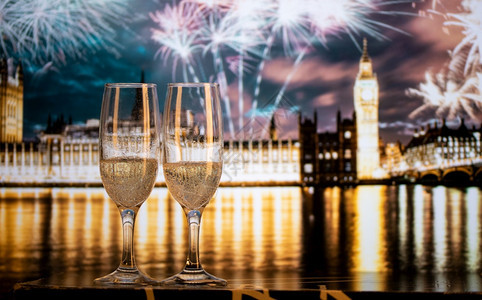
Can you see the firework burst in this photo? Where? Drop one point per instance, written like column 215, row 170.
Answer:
column 471, row 24
column 235, row 32
column 40, row 31
column 456, row 89
column 448, row 97
column 288, row 21
column 452, row 91
column 178, row 33
column 9, row 34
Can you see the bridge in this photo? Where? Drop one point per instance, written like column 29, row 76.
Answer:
column 456, row 172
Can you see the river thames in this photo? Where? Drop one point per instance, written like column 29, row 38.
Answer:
column 406, row 236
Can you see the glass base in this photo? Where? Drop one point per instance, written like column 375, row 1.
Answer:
column 123, row 276
column 194, row 277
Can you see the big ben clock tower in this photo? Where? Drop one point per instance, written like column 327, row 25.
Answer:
column 366, row 108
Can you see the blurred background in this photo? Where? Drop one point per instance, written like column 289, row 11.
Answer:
column 352, row 137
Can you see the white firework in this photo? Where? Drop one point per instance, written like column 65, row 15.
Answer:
column 240, row 33
column 471, row 24
column 448, row 96
column 40, row 31
column 178, row 31
column 456, row 90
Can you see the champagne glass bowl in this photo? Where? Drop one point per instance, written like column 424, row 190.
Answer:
column 192, row 159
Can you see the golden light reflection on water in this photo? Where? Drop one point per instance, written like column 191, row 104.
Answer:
column 473, row 234
column 370, row 223
column 455, row 228
column 268, row 230
column 255, row 228
column 416, row 213
column 439, row 226
column 332, row 228
column 402, row 225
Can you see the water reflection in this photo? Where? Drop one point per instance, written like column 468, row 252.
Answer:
column 286, row 232
column 409, row 235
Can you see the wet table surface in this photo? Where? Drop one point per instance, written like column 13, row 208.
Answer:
column 364, row 286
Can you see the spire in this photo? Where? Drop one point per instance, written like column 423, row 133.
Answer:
column 462, row 125
column 365, row 57
column 4, row 67
column 365, row 63
column 19, row 72
column 273, row 134
column 142, row 76
column 138, row 110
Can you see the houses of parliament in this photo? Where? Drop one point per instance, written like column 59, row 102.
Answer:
column 67, row 153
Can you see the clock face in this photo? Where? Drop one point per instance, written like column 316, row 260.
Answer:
column 367, row 95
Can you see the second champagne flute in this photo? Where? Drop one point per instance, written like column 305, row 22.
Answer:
column 192, row 163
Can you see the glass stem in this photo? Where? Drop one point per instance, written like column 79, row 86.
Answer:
column 128, row 262
column 194, row 221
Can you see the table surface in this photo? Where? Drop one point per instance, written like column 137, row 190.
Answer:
column 359, row 287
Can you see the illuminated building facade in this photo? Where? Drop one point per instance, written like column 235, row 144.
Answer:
column 11, row 104
column 69, row 153
column 261, row 161
column 438, row 147
column 64, row 153
column 330, row 157
column 392, row 157
column 366, row 108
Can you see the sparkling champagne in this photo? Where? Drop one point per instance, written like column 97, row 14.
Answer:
column 128, row 181
column 192, row 183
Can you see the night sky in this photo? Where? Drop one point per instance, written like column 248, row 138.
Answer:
column 324, row 80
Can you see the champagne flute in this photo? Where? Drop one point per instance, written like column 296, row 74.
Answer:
column 192, row 159
column 129, row 159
